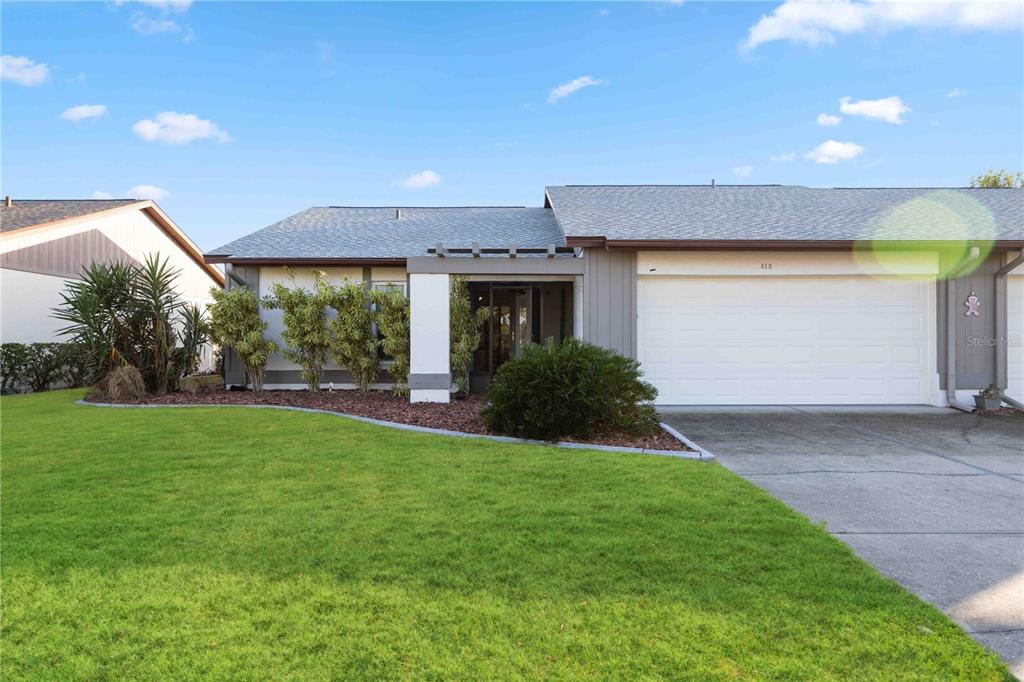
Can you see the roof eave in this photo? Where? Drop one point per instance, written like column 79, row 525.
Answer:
column 771, row 244
column 270, row 261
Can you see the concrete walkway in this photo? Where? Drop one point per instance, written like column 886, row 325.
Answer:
column 932, row 497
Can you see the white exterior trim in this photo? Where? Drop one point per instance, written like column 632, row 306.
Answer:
column 785, row 263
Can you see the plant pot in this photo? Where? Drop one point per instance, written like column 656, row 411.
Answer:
column 986, row 404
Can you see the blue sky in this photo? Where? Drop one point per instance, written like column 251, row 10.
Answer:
column 236, row 115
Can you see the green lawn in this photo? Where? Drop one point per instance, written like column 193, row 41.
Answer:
column 238, row 543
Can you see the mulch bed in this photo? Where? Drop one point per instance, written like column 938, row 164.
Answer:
column 458, row 415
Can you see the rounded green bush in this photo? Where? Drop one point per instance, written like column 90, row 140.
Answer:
column 572, row 389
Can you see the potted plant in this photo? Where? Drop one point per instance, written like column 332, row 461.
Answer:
column 989, row 399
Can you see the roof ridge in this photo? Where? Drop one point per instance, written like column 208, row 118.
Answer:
column 424, row 207
column 682, row 185
column 17, row 201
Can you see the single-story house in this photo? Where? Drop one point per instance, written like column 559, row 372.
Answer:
column 45, row 243
column 724, row 294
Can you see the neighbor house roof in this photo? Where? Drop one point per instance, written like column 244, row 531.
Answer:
column 750, row 213
column 31, row 212
column 346, row 233
column 50, row 214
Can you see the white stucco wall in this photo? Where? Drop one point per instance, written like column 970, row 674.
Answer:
column 27, row 300
column 428, row 334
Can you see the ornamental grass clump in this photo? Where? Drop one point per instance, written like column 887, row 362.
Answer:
column 569, row 390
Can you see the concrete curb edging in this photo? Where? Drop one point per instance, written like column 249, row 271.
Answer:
column 706, row 454
column 699, row 454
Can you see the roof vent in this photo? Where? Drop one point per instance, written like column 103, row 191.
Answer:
column 398, row 214
column 8, row 202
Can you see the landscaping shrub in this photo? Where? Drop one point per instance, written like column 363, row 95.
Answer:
column 235, row 322
column 38, row 366
column 354, row 345
column 392, row 317
column 306, row 333
column 465, row 330
column 122, row 313
column 572, row 389
column 43, row 366
column 13, row 357
column 74, row 365
column 121, row 385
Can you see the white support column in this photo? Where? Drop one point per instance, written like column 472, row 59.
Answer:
column 429, row 373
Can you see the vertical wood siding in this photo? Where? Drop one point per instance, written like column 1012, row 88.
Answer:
column 609, row 299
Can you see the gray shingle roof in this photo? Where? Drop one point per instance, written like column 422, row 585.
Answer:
column 372, row 233
column 29, row 212
column 746, row 212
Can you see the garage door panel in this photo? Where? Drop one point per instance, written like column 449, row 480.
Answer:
column 736, row 340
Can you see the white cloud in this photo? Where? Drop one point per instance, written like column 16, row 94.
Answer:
column 174, row 128
column 828, row 120
column 168, row 5
column 151, row 192
column 603, row 12
column 101, row 195
column 179, row 6
column 742, row 171
column 22, row 70
column 831, row 151
column 955, row 92
column 148, row 26
column 83, row 111
column 566, row 89
column 889, row 109
column 816, row 23
column 324, row 51
column 421, row 180
column 788, row 156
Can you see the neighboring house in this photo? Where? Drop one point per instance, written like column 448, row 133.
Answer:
column 724, row 294
column 45, row 243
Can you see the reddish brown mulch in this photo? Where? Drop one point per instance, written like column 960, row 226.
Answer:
column 458, row 415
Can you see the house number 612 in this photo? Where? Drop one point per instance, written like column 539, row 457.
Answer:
column 766, row 266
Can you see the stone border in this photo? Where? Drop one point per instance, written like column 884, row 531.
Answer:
column 698, row 454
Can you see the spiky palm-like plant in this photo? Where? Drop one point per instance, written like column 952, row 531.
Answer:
column 125, row 314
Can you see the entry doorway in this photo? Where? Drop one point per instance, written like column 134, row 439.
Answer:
column 520, row 313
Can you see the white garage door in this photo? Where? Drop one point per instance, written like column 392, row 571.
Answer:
column 1015, row 336
column 786, row 340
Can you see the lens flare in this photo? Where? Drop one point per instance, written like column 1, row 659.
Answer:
column 965, row 228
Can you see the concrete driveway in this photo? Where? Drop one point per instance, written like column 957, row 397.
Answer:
column 932, row 497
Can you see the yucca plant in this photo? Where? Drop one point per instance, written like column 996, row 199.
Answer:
column 123, row 314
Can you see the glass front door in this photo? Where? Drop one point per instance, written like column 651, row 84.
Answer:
column 520, row 314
